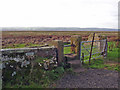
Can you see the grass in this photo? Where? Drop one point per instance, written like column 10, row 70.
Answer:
column 39, row 79
column 67, row 50
column 99, row 64
column 111, row 56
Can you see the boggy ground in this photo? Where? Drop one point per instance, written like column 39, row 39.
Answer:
column 89, row 78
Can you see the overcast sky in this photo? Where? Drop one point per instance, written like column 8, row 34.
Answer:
column 59, row 13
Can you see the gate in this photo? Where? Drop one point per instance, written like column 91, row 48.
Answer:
column 89, row 51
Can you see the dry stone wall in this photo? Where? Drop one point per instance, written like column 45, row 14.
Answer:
column 14, row 61
column 27, row 53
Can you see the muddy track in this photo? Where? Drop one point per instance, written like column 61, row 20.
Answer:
column 91, row 78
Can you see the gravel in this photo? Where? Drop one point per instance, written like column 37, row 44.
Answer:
column 91, row 78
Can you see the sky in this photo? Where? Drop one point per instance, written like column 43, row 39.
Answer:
column 59, row 13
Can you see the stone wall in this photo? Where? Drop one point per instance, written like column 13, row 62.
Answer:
column 25, row 61
column 22, row 57
column 27, row 53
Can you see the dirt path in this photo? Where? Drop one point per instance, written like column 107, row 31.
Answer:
column 91, row 78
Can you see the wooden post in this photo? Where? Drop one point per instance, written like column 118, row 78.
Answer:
column 76, row 40
column 60, row 50
column 91, row 48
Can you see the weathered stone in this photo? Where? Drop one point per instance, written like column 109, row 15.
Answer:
column 59, row 45
column 97, row 37
column 102, row 43
column 75, row 42
column 18, row 54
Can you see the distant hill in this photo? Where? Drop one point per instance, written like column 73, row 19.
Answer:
column 54, row 29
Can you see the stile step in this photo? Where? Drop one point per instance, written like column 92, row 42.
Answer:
column 75, row 63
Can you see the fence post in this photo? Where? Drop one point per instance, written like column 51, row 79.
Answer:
column 76, row 40
column 60, row 50
column 91, row 47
